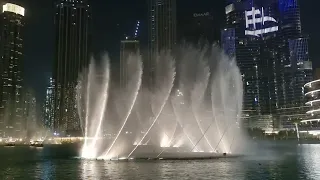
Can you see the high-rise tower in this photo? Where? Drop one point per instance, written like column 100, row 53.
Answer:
column 131, row 45
column 72, row 36
column 265, row 38
column 162, row 30
column 30, row 113
column 11, row 57
column 197, row 27
column 298, row 67
column 48, row 109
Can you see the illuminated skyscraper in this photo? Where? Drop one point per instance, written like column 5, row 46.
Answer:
column 198, row 27
column 11, row 57
column 127, row 47
column 49, row 106
column 251, row 37
column 30, row 113
column 162, row 30
column 290, row 18
column 298, row 67
column 130, row 45
column 72, row 36
column 265, row 38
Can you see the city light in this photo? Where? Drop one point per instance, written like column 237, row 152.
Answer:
column 309, row 84
column 254, row 20
column 9, row 7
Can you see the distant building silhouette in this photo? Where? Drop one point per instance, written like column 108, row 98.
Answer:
column 198, row 27
column 72, row 36
column 48, row 107
column 11, row 80
column 265, row 38
column 30, row 113
column 162, row 27
column 127, row 47
column 317, row 73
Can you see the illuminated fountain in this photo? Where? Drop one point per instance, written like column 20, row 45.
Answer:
column 192, row 109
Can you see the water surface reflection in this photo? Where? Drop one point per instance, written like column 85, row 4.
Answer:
column 271, row 161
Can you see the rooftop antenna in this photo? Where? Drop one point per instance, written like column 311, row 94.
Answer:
column 136, row 31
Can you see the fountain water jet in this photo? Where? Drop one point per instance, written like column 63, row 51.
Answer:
column 167, row 62
column 89, row 150
column 136, row 90
column 192, row 108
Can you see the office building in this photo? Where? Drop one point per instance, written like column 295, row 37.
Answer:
column 298, row 72
column 228, row 41
column 316, row 73
column 129, row 46
column 198, row 27
column 162, row 31
column 298, row 67
column 11, row 80
column 30, row 113
column 310, row 123
column 255, row 48
column 72, row 36
column 48, row 107
column 272, row 54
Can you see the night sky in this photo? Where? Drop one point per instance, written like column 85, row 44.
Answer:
column 111, row 19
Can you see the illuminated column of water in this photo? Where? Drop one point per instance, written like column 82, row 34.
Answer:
column 165, row 142
column 222, row 89
column 102, row 104
column 213, row 94
column 216, row 132
column 238, row 88
column 136, row 90
column 171, row 77
column 155, row 120
column 176, row 126
column 297, row 129
column 214, row 150
column 170, row 141
column 79, row 103
column 100, row 108
column 221, row 140
column 183, row 130
column 87, row 104
column 198, row 95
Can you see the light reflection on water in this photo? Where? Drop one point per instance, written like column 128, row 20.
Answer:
column 310, row 157
column 271, row 161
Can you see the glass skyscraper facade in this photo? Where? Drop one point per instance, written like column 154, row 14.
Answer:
column 11, row 80
column 48, row 109
column 198, row 27
column 162, row 31
column 72, row 36
column 228, row 41
column 127, row 47
column 265, row 38
column 312, row 120
column 30, row 113
column 297, row 65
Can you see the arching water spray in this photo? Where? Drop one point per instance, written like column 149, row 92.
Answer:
column 208, row 118
column 136, row 90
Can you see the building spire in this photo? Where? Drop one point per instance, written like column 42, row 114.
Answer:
column 136, row 31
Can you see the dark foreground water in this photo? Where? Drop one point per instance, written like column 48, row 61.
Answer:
column 271, row 161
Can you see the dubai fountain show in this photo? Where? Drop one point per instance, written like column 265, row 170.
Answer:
column 188, row 106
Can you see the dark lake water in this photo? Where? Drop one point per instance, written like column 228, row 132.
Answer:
column 287, row 161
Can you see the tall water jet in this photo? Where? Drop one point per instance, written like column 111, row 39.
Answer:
column 192, row 107
column 134, row 67
column 165, row 74
column 94, row 116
